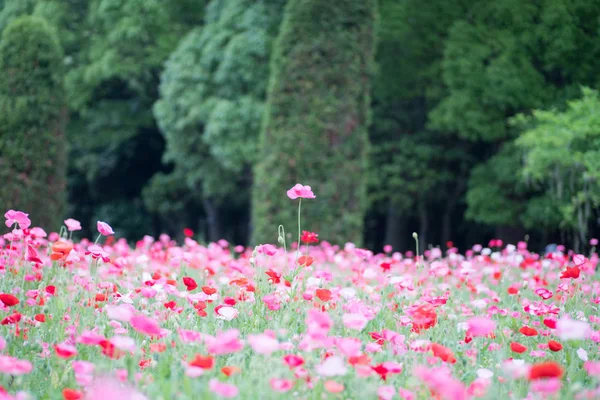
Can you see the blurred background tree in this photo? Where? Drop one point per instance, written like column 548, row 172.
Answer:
column 32, row 118
column 316, row 120
column 477, row 123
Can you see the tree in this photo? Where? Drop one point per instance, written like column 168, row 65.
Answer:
column 212, row 95
column 502, row 59
column 112, row 84
column 315, row 128
column 415, row 170
column 562, row 153
column 32, row 116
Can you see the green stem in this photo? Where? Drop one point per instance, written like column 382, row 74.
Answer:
column 299, row 232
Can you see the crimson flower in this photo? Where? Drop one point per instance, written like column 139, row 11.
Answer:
column 189, row 283
column 518, row 348
column 8, row 299
column 554, row 346
column 309, row 237
column 570, row 273
column 548, row 369
column 527, row 331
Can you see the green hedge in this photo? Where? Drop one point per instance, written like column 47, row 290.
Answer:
column 32, row 142
column 315, row 126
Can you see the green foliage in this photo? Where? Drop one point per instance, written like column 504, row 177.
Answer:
column 509, row 57
column 11, row 9
column 212, row 93
column 315, row 127
column 562, row 149
column 32, row 143
column 112, row 84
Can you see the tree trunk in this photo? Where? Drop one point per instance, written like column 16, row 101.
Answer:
column 423, row 226
column 395, row 232
column 212, row 220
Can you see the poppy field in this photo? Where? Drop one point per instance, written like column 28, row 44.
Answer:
column 85, row 319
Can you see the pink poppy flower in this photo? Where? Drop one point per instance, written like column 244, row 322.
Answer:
column 299, row 191
column 332, row 366
column 104, row 228
column 14, row 366
column 481, row 326
column 72, row 225
column 17, row 217
column 281, row 385
column 355, row 321
column 223, row 389
column 263, row 344
column 333, row 387
column 145, row 325
column 567, row 328
column 224, row 343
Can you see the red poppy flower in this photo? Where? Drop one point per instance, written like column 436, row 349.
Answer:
column 513, row 290
column 424, row 317
column 527, row 331
column 570, row 273
column 323, row 294
column 189, row 283
column 363, row 359
column 554, row 346
column 188, row 232
column 443, row 353
column 72, row 394
column 550, row 323
column 158, row 347
column 60, row 250
column 65, row 350
column 11, row 319
column 381, row 370
column 275, row 277
column 239, row 282
column 40, row 318
column 229, row 370
column 100, row 297
column 518, row 347
column 548, row 369
column 204, row 362
column 209, row 290
column 8, row 299
column 305, row 261
column 109, row 350
column 293, row 360
column 170, row 305
column 309, row 237
column 385, row 266
column 51, row 290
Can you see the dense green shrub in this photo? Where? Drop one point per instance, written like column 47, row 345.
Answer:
column 315, row 127
column 32, row 143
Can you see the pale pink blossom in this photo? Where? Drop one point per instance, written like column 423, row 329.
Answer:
column 145, row 325
column 121, row 312
column 299, row 191
column 355, row 321
column 17, row 217
column 263, row 344
column 481, row 326
column 570, row 329
column 104, row 228
column 72, row 225
column 546, row 387
column 332, row 366
column 281, row 385
column 224, row 343
column 222, row 389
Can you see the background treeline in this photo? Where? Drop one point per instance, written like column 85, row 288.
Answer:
column 462, row 120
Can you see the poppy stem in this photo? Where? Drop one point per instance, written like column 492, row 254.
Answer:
column 299, row 232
